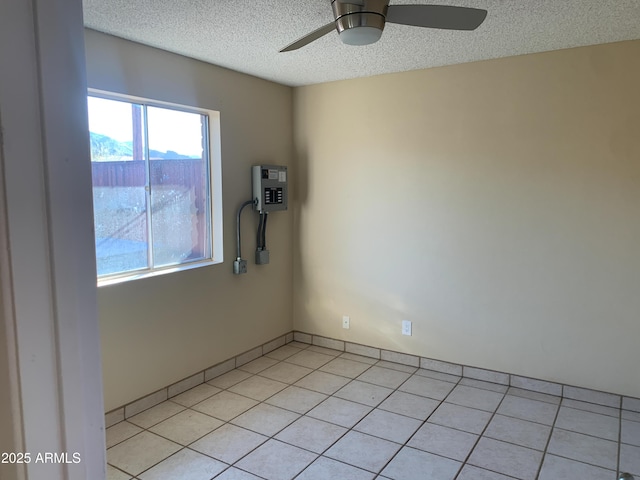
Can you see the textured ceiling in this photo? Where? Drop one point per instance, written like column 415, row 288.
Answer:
column 246, row 35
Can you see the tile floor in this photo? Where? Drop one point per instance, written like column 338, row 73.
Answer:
column 311, row 413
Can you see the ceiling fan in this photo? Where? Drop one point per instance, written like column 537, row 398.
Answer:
column 360, row 22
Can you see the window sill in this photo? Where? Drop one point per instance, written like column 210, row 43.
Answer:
column 127, row 277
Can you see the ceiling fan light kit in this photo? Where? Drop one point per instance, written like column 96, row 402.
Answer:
column 361, row 35
column 361, row 22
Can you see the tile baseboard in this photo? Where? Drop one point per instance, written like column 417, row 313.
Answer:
column 502, row 378
column 478, row 374
column 133, row 408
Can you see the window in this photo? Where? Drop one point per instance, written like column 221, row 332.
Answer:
column 153, row 171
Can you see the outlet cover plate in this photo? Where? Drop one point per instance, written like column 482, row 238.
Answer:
column 406, row 327
column 345, row 321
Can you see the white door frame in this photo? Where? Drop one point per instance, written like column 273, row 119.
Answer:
column 49, row 336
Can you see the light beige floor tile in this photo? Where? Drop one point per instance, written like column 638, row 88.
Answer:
column 363, row 451
column 325, row 468
column 115, row 474
column 261, row 461
column 341, row 412
column 311, row 434
column 412, row 464
column 228, row 443
column 363, row 392
column 265, row 419
column 258, row 365
column 602, row 426
column 186, row 427
column 120, row 432
column 195, row 395
column 506, row 458
column 283, row 352
column 225, row 405
column 156, row 414
column 630, row 432
column 469, row 472
column 235, row 474
column 309, row 359
column 296, row 399
column 554, row 468
column 443, row 441
column 388, row 425
column 521, row 432
column 345, row 368
column 229, row 379
column 528, row 409
column 584, row 448
column 140, row 452
column 384, row 377
column 185, row 465
column 630, row 459
column 427, row 387
column 475, row 398
column 510, row 446
column 286, row 372
column 258, row 388
column 462, row 418
column 410, row 405
column 323, row 382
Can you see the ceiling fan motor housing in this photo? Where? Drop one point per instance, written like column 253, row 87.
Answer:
column 360, row 22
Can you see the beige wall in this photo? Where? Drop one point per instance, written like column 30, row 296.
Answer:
column 494, row 204
column 159, row 330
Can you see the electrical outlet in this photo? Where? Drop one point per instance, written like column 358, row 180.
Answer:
column 345, row 321
column 406, row 327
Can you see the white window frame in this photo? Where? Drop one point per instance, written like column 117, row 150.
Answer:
column 215, row 189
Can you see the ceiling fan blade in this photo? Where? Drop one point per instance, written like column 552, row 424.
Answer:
column 437, row 16
column 315, row 35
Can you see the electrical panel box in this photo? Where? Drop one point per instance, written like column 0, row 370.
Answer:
column 270, row 192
